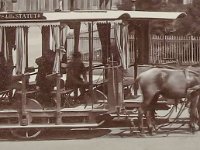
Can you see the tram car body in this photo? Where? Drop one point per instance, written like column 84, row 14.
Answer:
column 23, row 114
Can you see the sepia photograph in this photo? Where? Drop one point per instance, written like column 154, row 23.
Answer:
column 99, row 74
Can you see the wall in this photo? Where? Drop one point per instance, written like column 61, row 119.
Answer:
column 52, row 5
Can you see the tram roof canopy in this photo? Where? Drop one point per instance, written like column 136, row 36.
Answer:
column 112, row 15
column 55, row 18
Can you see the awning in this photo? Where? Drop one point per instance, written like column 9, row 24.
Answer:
column 110, row 15
column 156, row 15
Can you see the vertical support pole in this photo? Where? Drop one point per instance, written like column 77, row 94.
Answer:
column 76, row 36
column 58, row 92
column 144, row 43
column 111, row 4
column 60, row 5
column 23, row 114
column 58, row 101
column 90, row 31
column 115, row 87
column 135, row 66
column 136, row 55
column 71, row 5
column 45, row 38
column 26, row 44
column 2, row 5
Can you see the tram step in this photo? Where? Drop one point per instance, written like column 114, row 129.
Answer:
column 45, row 126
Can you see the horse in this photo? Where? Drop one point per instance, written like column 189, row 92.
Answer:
column 170, row 84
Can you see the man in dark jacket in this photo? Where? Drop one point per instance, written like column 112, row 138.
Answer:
column 76, row 74
column 7, row 80
column 45, row 67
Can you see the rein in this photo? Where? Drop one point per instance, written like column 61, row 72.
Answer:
column 183, row 106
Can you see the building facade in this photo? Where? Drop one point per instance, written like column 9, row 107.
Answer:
column 53, row 5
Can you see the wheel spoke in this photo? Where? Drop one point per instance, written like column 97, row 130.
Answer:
column 27, row 134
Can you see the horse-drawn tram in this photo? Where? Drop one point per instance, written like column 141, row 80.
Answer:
column 22, row 109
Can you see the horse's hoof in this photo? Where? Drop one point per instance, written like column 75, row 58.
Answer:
column 198, row 127
column 192, row 130
column 151, row 131
column 141, row 130
column 141, row 134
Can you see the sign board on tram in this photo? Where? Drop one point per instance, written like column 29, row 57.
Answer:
column 21, row 16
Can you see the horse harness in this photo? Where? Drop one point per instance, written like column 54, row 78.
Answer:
column 190, row 90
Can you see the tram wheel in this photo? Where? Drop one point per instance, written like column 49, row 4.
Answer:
column 98, row 98
column 99, row 95
column 25, row 133
column 29, row 133
column 69, row 101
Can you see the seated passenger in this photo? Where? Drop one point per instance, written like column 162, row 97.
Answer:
column 45, row 66
column 7, row 80
column 76, row 74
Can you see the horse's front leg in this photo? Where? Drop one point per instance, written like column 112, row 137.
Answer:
column 150, row 114
column 146, row 109
column 153, row 112
column 143, row 110
column 149, row 122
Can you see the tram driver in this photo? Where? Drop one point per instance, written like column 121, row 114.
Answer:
column 77, row 75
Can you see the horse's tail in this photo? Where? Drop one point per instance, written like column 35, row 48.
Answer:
column 136, row 82
column 137, row 79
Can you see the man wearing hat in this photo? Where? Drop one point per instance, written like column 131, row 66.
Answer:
column 76, row 74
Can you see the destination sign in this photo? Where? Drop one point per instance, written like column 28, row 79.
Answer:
column 21, row 16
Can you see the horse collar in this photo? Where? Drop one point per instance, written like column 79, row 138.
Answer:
column 186, row 73
column 188, row 82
